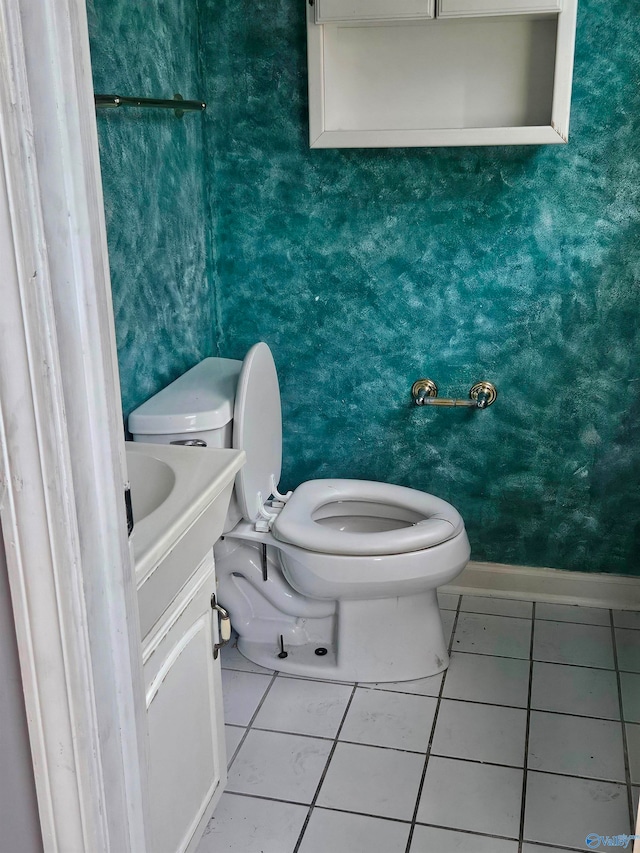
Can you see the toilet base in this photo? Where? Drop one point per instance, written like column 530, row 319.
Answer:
column 379, row 640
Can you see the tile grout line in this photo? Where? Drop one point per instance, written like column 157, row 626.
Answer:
column 288, row 675
column 458, row 652
column 389, row 819
column 459, row 758
column 266, row 797
column 560, row 848
column 623, row 726
column 461, row 702
column 526, row 734
column 349, row 742
column 325, row 771
column 433, row 729
column 251, row 720
column 541, row 618
column 479, row 833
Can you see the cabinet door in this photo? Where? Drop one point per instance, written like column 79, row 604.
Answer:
column 479, row 8
column 187, row 761
column 337, row 11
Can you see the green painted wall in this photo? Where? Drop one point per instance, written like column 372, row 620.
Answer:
column 367, row 269
column 154, row 189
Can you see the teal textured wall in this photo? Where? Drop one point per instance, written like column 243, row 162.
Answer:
column 155, row 202
column 367, row 269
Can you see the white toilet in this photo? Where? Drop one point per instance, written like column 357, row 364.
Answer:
column 335, row 580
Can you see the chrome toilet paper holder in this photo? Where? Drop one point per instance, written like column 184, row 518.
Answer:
column 481, row 395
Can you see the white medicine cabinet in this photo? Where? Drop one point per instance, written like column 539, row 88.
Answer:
column 396, row 73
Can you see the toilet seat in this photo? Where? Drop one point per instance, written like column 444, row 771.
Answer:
column 422, row 520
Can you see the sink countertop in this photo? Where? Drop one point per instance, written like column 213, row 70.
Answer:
column 201, row 474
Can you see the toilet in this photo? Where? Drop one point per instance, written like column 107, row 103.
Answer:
column 336, row 580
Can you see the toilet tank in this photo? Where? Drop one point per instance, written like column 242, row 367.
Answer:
column 198, row 405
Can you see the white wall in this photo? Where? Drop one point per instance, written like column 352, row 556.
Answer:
column 19, row 822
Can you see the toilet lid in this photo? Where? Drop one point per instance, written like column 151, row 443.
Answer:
column 257, row 429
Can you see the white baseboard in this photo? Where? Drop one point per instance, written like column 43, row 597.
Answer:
column 619, row 592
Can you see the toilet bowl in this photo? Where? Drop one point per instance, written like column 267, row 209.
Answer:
column 335, row 580
column 350, row 539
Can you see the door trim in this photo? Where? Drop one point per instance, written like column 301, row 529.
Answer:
column 62, row 467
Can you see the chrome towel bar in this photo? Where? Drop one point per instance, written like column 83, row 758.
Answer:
column 177, row 103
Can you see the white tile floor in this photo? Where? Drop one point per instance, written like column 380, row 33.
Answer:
column 527, row 744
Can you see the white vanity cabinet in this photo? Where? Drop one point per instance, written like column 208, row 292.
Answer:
column 187, row 758
column 180, row 498
column 396, row 73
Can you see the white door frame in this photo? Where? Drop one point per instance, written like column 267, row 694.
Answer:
column 62, row 467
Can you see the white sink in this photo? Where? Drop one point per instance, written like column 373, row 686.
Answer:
column 180, row 497
column 151, row 483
